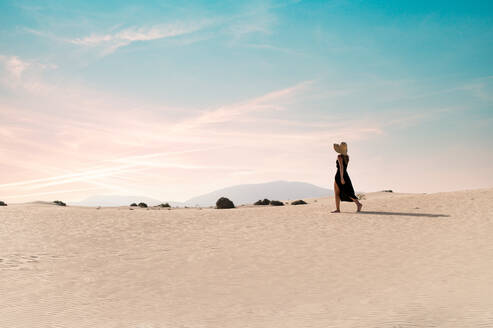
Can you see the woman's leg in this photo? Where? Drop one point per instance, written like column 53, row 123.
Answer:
column 358, row 204
column 337, row 197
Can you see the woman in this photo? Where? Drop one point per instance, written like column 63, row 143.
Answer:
column 343, row 187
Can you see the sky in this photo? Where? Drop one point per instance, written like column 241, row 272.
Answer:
column 172, row 99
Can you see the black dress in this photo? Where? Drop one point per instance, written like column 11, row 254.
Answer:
column 346, row 189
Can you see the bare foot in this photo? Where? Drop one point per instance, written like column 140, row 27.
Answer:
column 336, row 211
column 359, row 207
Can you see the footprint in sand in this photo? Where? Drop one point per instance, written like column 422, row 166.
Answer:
column 19, row 261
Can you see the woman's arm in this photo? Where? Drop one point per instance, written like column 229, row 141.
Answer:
column 341, row 168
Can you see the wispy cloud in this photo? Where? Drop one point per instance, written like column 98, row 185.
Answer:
column 15, row 69
column 275, row 100
column 250, row 20
column 58, row 192
column 96, row 175
column 480, row 88
column 45, row 34
column 110, row 42
column 14, row 66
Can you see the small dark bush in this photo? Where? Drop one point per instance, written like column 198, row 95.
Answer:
column 276, row 203
column 143, row 205
column 387, row 190
column 224, row 202
column 133, row 204
column 59, row 203
column 164, row 205
column 262, row 202
column 2, row 203
column 299, row 202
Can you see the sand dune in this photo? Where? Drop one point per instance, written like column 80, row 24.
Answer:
column 409, row 261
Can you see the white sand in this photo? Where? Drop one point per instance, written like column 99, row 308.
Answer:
column 292, row 266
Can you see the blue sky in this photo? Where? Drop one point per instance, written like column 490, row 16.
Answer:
column 121, row 97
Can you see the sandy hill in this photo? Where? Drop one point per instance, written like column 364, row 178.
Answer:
column 409, row 260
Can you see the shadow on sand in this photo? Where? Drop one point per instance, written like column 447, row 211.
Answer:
column 428, row 215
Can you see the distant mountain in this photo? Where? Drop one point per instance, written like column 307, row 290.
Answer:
column 239, row 194
column 249, row 193
column 119, row 200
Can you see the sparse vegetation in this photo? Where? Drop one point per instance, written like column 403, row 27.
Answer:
column 143, row 205
column 387, row 190
column 133, row 204
column 276, row 203
column 262, row 202
column 59, row 203
column 299, row 202
column 164, row 205
column 3, row 203
column 224, row 202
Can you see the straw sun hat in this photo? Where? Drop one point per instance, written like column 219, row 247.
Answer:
column 341, row 148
